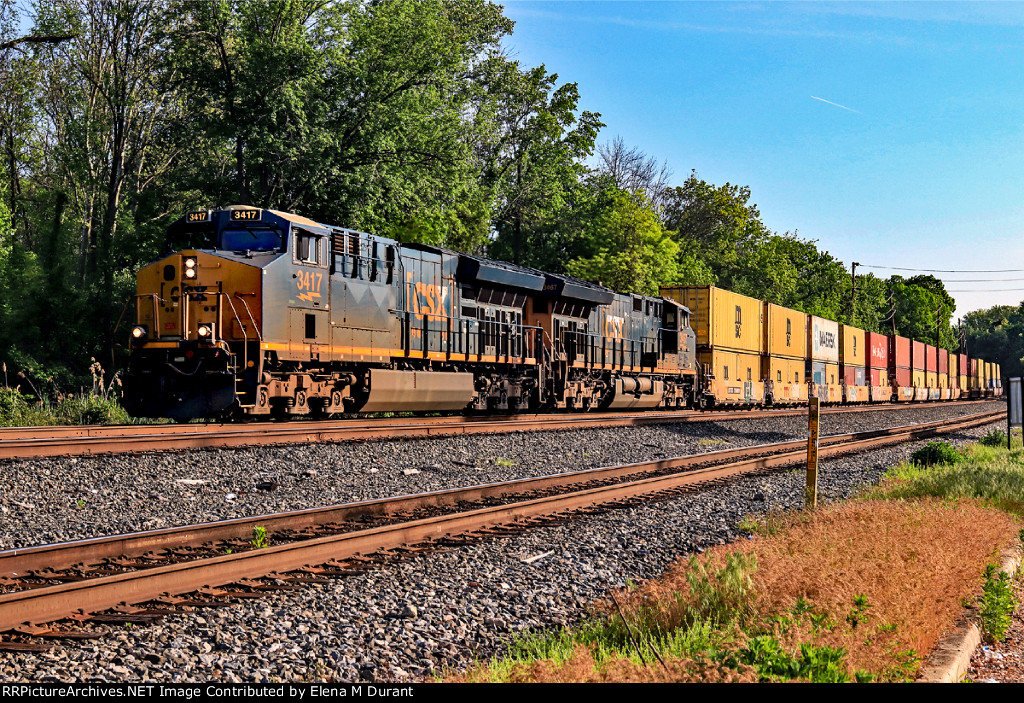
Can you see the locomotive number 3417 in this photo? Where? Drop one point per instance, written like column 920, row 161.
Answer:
column 309, row 283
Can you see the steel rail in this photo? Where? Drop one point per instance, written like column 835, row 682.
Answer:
column 39, row 442
column 49, row 603
column 88, row 551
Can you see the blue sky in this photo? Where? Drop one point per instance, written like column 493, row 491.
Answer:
column 916, row 159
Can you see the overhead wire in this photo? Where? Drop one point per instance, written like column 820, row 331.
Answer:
column 898, row 268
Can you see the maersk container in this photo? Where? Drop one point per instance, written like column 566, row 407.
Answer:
column 824, row 339
column 722, row 319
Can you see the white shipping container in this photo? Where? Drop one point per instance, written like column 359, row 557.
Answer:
column 824, row 342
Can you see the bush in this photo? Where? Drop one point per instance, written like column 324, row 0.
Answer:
column 997, row 604
column 13, row 407
column 937, row 453
column 995, row 438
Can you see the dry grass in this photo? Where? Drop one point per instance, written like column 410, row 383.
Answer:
column 911, row 566
column 916, row 562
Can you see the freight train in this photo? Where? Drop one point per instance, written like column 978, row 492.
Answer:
column 266, row 313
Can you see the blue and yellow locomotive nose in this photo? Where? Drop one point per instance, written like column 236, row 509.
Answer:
column 198, row 316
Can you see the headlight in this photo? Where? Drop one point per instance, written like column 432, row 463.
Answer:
column 206, row 331
column 190, row 267
column 139, row 332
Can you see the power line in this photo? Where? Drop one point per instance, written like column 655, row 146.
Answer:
column 985, row 290
column 897, row 268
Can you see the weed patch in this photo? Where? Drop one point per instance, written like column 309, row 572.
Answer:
column 995, row 438
column 937, row 453
column 997, row 604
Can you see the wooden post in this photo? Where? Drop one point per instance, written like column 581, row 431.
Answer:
column 811, row 491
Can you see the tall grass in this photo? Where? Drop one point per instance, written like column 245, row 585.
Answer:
column 94, row 406
column 991, row 474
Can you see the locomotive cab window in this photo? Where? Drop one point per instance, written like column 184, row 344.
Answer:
column 307, row 247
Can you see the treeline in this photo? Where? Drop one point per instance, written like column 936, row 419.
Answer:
column 997, row 334
column 404, row 118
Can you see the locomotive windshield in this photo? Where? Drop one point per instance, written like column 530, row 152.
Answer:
column 250, row 239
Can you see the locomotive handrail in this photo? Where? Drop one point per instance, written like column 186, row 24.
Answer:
column 259, row 335
column 156, row 310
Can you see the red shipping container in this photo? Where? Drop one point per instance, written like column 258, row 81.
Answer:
column 878, row 352
column 899, row 352
column 974, row 368
column 964, row 359
column 853, row 375
column 931, row 358
column 903, row 377
column 917, row 356
column 876, row 376
column 944, row 361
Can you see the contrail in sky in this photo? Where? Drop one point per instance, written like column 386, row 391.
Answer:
column 837, row 105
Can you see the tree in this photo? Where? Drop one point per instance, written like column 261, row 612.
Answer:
column 632, row 252
column 923, row 310
column 997, row 334
column 717, row 225
column 634, row 171
column 531, row 149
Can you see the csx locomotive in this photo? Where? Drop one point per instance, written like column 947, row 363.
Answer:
column 262, row 312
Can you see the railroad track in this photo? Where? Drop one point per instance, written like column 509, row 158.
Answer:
column 37, row 442
column 144, row 576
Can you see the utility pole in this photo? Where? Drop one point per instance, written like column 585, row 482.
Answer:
column 853, row 292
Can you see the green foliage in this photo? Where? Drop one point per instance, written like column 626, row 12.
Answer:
column 723, row 594
column 19, row 410
column 992, row 474
column 997, row 604
column 817, row 664
column 259, row 537
column 994, row 438
column 922, row 306
column 632, row 252
column 939, row 452
column 997, row 334
column 859, row 613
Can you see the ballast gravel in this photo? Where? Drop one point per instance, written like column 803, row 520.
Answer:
column 429, row 614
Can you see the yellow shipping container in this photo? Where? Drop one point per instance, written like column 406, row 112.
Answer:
column 737, row 375
column 785, row 332
column 722, row 319
column 918, row 378
column 931, row 379
column 852, row 341
column 781, row 370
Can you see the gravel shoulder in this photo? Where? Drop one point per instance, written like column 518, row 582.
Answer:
column 428, row 614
